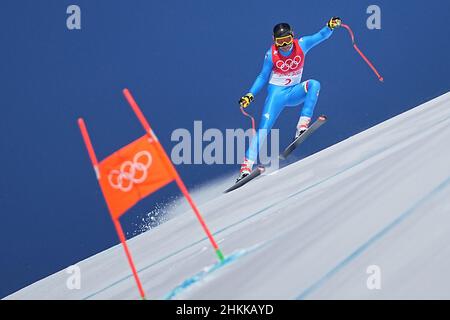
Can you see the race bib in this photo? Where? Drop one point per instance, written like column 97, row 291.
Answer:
column 286, row 80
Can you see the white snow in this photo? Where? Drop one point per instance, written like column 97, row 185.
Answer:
column 310, row 231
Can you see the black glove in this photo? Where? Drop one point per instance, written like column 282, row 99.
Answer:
column 334, row 22
column 246, row 100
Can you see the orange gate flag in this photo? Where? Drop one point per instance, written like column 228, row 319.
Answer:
column 132, row 173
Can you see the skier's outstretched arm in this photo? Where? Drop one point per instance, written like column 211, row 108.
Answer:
column 264, row 75
column 260, row 81
column 309, row 42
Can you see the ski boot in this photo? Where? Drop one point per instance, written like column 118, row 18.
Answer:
column 302, row 126
column 246, row 169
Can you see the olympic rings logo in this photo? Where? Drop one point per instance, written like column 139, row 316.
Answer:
column 289, row 64
column 131, row 172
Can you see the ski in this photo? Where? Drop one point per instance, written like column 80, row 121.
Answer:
column 316, row 125
column 255, row 173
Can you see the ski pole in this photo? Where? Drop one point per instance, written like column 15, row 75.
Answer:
column 253, row 120
column 253, row 125
column 352, row 35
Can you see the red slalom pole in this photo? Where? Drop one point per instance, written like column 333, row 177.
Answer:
column 123, row 240
column 352, row 35
column 91, row 152
column 178, row 180
column 186, row 194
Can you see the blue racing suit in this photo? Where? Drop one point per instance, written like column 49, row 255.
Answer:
column 279, row 97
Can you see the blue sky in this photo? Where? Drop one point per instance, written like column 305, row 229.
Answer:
column 184, row 61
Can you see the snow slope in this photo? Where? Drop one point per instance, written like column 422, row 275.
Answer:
column 307, row 231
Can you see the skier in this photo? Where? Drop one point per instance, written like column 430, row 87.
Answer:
column 282, row 69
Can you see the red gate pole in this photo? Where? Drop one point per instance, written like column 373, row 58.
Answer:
column 178, row 180
column 119, row 230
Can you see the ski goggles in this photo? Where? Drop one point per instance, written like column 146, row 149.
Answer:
column 284, row 41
